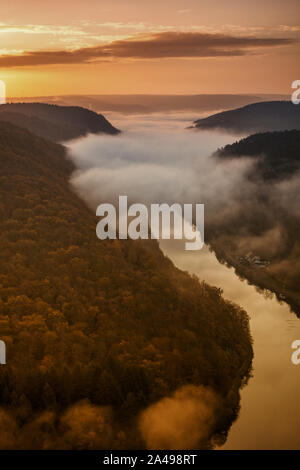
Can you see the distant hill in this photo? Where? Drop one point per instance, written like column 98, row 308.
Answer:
column 56, row 123
column 142, row 103
column 97, row 329
column 279, row 152
column 256, row 117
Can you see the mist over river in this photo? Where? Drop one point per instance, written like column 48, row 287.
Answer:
column 178, row 169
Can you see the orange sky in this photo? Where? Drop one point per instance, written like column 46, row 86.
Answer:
column 137, row 46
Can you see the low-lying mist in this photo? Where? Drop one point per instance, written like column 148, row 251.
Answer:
column 184, row 420
column 156, row 166
column 160, row 161
column 181, row 421
column 169, row 164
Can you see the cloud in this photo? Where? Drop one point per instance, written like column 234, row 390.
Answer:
column 285, row 28
column 162, row 45
column 40, row 29
column 122, row 25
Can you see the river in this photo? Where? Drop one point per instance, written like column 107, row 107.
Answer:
column 269, row 416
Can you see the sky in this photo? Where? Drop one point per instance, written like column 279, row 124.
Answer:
column 158, row 47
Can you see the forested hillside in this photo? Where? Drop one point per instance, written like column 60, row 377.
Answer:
column 111, row 322
column 56, row 123
column 277, row 153
column 260, row 235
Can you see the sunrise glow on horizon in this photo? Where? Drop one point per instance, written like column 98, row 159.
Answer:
column 179, row 47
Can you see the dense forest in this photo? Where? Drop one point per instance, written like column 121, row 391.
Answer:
column 260, row 236
column 255, row 117
column 56, row 123
column 96, row 331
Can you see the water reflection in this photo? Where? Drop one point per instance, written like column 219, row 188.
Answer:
column 270, row 409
